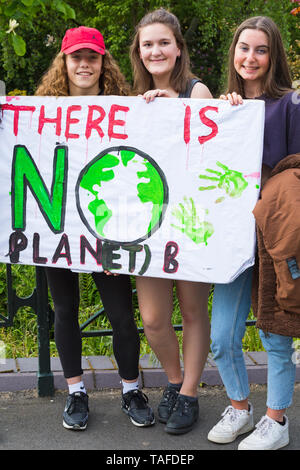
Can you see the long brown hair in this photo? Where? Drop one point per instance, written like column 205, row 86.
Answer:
column 55, row 81
column 277, row 80
column 181, row 73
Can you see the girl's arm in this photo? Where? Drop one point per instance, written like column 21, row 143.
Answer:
column 201, row 91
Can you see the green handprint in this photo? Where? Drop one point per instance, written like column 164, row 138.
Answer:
column 231, row 181
column 191, row 225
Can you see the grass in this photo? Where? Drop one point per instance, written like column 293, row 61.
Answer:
column 21, row 339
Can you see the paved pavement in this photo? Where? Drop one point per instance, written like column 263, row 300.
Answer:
column 29, row 422
column 100, row 372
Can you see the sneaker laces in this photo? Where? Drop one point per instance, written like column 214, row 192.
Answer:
column 230, row 415
column 139, row 398
column 182, row 406
column 263, row 426
column 170, row 396
column 77, row 404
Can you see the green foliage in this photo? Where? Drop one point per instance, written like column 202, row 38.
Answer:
column 24, row 12
column 42, row 41
column 19, row 44
column 21, row 338
column 89, row 294
column 208, row 26
column 294, row 52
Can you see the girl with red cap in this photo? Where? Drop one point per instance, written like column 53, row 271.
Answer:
column 85, row 67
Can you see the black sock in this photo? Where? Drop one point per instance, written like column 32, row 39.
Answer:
column 176, row 386
column 282, row 423
column 189, row 398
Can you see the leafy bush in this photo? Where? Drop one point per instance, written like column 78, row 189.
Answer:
column 208, row 26
column 21, row 338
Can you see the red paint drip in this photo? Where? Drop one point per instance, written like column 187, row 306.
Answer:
column 17, row 110
column 187, row 131
column 187, row 125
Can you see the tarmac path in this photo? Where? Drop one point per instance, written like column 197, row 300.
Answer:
column 29, row 422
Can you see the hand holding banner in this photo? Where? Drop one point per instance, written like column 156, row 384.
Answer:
column 107, row 182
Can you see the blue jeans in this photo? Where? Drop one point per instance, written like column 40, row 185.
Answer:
column 230, row 310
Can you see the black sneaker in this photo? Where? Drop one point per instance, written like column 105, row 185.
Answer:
column 184, row 415
column 167, row 403
column 76, row 411
column 135, row 405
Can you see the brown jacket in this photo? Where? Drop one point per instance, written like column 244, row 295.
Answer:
column 276, row 286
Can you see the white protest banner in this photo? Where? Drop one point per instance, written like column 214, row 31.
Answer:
column 164, row 189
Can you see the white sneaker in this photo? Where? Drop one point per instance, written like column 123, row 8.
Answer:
column 233, row 423
column 268, row 435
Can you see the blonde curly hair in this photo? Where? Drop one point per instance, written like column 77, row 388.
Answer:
column 55, row 81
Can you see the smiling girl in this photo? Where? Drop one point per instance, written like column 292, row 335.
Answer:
column 85, row 67
column 251, row 60
column 160, row 60
column 161, row 68
column 258, row 69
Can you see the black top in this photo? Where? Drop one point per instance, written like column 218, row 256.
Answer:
column 189, row 88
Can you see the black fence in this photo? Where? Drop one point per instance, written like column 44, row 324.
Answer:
column 38, row 301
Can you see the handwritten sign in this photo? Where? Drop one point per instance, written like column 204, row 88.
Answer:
column 164, row 189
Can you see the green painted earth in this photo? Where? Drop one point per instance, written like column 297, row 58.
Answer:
column 122, row 195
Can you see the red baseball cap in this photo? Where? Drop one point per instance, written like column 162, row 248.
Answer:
column 81, row 38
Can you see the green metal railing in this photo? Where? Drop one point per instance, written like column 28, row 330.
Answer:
column 38, row 301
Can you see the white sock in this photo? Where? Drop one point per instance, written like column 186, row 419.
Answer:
column 78, row 387
column 127, row 386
